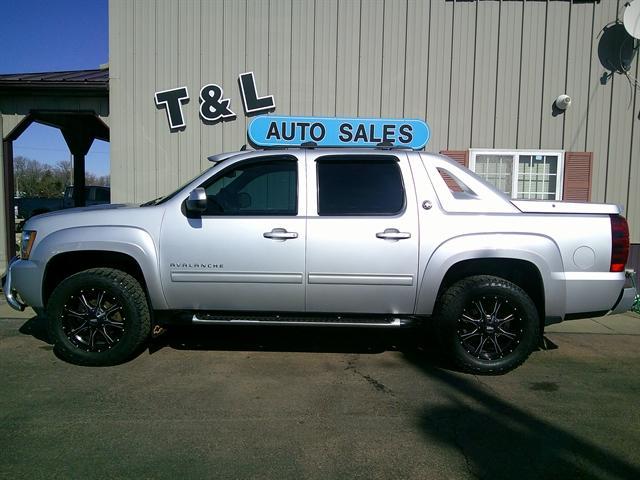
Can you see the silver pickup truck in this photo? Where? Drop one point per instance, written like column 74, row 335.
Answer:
column 324, row 237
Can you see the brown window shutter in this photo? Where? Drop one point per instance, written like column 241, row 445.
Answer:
column 460, row 156
column 578, row 168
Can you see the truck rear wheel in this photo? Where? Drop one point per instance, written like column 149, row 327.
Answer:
column 98, row 317
column 487, row 324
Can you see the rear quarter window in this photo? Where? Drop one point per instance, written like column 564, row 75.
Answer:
column 359, row 186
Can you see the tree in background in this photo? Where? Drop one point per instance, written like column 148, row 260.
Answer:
column 92, row 179
column 37, row 179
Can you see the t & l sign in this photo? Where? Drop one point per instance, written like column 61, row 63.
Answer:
column 213, row 106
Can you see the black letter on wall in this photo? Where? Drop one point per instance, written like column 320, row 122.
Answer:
column 213, row 107
column 252, row 102
column 172, row 100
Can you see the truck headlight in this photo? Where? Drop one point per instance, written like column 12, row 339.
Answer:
column 28, row 237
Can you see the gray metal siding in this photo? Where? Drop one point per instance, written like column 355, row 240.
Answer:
column 633, row 187
column 439, row 73
column 234, row 63
column 531, row 67
column 393, row 57
column 324, row 58
column 507, row 94
column 483, row 74
column 416, row 59
column 462, row 72
column 279, row 58
column 302, row 39
column 484, row 79
column 578, row 77
column 211, row 71
column 599, row 105
column 258, row 50
column 347, row 58
column 554, row 73
column 371, row 41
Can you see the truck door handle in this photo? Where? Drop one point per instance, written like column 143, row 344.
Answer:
column 280, row 234
column 393, row 234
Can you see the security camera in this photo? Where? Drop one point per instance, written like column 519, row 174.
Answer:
column 563, row 102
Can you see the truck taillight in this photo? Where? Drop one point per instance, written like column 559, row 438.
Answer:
column 619, row 243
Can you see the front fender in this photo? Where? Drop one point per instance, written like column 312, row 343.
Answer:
column 131, row 241
column 539, row 250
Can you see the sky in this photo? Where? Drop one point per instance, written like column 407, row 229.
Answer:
column 49, row 36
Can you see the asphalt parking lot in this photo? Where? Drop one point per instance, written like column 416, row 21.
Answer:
column 319, row 403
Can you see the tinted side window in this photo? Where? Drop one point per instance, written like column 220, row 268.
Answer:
column 256, row 188
column 362, row 186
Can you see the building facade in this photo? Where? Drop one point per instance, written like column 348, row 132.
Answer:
column 484, row 74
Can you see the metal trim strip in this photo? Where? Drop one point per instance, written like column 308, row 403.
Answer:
column 360, row 279
column 237, row 277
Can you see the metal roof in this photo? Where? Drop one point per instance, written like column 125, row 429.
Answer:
column 93, row 79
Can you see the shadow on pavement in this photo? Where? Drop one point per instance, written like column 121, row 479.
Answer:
column 37, row 328
column 500, row 440
column 284, row 339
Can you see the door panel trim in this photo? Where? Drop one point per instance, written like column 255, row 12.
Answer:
column 355, row 279
column 237, row 277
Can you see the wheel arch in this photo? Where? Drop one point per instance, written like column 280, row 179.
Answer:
column 130, row 250
column 65, row 264
column 522, row 273
column 532, row 262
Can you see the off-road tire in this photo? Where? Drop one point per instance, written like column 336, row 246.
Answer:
column 456, row 302
column 135, row 316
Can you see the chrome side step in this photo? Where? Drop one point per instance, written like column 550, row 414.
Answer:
column 206, row 319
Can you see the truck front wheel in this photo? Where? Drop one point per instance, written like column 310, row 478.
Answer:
column 98, row 317
column 487, row 324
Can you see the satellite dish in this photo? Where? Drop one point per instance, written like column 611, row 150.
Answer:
column 632, row 19
column 616, row 48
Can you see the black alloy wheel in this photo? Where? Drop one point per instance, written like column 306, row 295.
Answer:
column 98, row 316
column 490, row 327
column 487, row 324
column 93, row 320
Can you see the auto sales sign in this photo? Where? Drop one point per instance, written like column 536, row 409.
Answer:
column 278, row 131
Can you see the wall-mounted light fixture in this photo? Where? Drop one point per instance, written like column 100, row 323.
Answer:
column 563, row 102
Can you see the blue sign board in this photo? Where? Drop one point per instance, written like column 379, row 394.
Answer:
column 278, row 131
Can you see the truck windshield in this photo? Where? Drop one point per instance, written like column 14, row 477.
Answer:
column 159, row 200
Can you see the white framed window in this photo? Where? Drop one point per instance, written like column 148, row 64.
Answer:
column 521, row 174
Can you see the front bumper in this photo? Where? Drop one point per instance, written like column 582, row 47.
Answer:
column 9, row 292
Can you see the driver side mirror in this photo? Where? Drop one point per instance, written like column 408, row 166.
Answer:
column 197, row 201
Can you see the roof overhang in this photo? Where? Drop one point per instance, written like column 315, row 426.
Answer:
column 79, row 82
